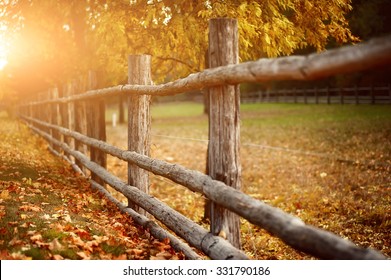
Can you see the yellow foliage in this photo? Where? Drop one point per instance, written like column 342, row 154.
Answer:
column 175, row 33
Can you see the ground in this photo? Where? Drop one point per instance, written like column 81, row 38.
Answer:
column 330, row 165
column 47, row 211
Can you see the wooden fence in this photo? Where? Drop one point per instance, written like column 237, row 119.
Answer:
column 342, row 95
column 71, row 122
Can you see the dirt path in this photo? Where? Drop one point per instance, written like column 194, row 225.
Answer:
column 48, row 212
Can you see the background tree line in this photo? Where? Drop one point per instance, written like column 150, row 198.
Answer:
column 50, row 42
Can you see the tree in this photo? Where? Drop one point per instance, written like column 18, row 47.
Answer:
column 175, row 34
column 67, row 37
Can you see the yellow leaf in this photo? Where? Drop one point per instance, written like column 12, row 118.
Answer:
column 267, row 39
column 5, row 194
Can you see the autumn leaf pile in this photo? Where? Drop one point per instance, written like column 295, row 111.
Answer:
column 48, row 212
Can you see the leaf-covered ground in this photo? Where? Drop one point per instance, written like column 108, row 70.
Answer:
column 48, row 212
column 328, row 165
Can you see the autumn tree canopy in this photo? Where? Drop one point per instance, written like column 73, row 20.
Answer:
column 52, row 41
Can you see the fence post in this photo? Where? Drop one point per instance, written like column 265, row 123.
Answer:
column 305, row 91
column 55, row 117
column 79, row 120
column 66, row 114
column 294, row 96
column 342, row 101
column 356, row 94
column 139, row 122
column 389, row 93
column 121, row 113
column 224, row 126
column 43, row 113
column 96, row 126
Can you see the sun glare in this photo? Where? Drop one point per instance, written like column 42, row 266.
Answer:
column 3, row 56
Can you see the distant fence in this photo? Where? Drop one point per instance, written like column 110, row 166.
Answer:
column 71, row 122
column 342, row 95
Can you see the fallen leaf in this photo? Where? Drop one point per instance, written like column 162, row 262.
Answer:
column 83, row 255
column 23, row 216
column 46, row 216
column 5, row 194
column 36, row 237
column 15, row 241
column 121, row 257
column 30, row 208
column 55, row 245
column 67, row 218
column 57, row 257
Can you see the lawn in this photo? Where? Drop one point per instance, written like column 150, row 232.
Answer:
column 330, row 165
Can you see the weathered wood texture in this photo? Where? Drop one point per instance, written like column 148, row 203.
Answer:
column 139, row 122
column 375, row 52
column 96, row 126
column 55, row 116
column 79, row 118
column 290, row 229
column 224, row 127
column 66, row 113
column 215, row 247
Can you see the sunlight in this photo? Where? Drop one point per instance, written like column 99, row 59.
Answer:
column 3, row 63
column 3, row 55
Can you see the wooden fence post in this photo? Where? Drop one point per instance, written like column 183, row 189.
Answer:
column 55, row 117
column 224, row 126
column 356, row 94
column 294, row 96
column 139, row 122
column 43, row 112
column 389, row 93
column 66, row 114
column 342, row 101
column 96, row 126
column 79, row 120
column 121, row 111
column 373, row 97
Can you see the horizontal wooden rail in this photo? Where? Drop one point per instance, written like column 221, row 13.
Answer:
column 153, row 227
column 213, row 246
column 375, row 52
column 290, row 229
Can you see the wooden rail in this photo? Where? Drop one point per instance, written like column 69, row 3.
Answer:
column 219, row 187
